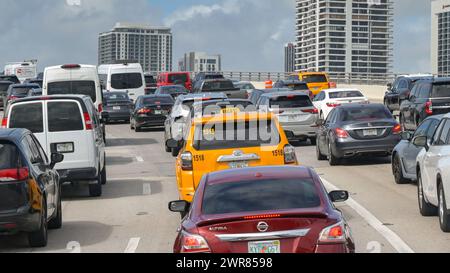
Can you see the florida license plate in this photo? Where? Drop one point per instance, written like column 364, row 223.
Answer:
column 370, row 132
column 238, row 164
column 116, row 107
column 158, row 112
column 269, row 247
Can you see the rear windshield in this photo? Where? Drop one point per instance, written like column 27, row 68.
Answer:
column 73, row 88
column 13, row 79
column 64, row 117
column 364, row 114
column 346, row 94
column 315, row 78
column 291, row 102
column 126, row 81
column 9, row 156
column 160, row 100
column 298, row 86
column 177, row 78
column 4, row 87
column 218, row 85
column 173, row 89
column 21, row 91
column 441, row 90
column 239, row 134
column 260, row 195
column 213, row 76
column 28, row 116
column 150, row 80
column 116, row 96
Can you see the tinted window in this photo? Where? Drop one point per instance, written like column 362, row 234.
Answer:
column 64, row 116
column 315, row 78
column 177, row 78
column 441, row 90
column 424, row 92
column 432, row 128
column 237, row 134
column 150, row 80
column 172, row 89
column 298, row 86
column 422, row 129
column 218, row 85
column 260, row 195
column 73, row 88
column 403, row 84
column 9, row 156
column 116, row 96
column 21, row 91
column 158, row 100
column 28, row 116
column 444, row 134
column 126, row 81
column 291, row 102
column 364, row 114
column 346, row 94
column 13, row 79
column 4, row 87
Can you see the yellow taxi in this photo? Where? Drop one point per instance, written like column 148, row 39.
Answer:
column 317, row 81
column 229, row 141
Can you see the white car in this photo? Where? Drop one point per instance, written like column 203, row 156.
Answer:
column 433, row 173
column 66, row 124
column 124, row 77
column 329, row 99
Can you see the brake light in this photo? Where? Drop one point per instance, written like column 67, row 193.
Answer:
column 4, row 122
column 70, row 66
column 193, row 244
column 289, row 155
column 12, row 97
column 277, row 111
column 429, row 108
column 397, row 129
column 265, row 216
column 311, row 111
column 341, row 133
column 332, row 85
column 9, row 175
column 291, row 97
column 186, row 161
column 100, row 108
column 144, row 111
column 88, row 121
column 333, row 234
column 333, row 105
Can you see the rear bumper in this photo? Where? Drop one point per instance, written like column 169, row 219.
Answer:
column 301, row 131
column 75, row 175
column 23, row 219
column 333, row 248
column 350, row 147
column 123, row 115
column 151, row 121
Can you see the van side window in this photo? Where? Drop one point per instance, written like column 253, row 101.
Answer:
column 28, row 116
column 64, row 116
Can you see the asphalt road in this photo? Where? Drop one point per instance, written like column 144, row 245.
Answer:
column 132, row 214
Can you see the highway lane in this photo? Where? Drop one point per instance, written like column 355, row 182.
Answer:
column 132, row 215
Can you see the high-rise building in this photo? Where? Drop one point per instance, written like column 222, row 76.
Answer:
column 200, row 62
column 440, row 37
column 289, row 57
column 149, row 46
column 345, row 36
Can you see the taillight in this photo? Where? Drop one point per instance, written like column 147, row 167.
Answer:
column 264, row 216
column 100, row 108
column 70, row 66
column 88, row 121
column 144, row 111
column 193, row 244
column 332, row 85
column 277, row 111
column 333, row 105
column 4, row 122
column 333, row 234
column 341, row 133
column 10, row 175
column 12, row 97
column 397, row 129
column 311, row 111
column 429, row 108
column 186, row 161
column 289, row 155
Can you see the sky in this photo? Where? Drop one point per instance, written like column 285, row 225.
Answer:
column 249, row 34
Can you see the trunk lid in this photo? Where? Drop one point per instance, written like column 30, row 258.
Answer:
column 370, row 130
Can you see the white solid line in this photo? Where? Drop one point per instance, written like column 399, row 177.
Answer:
column 397, row 243
column 132, row 245
column 139, row 159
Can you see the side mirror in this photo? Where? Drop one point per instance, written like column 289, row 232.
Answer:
column 320, row 122
column 172, row 143
column 421, row 141
column 389, row 86
column 339, row 196
column 179, row 206
column 406, row 136
column 56, row 158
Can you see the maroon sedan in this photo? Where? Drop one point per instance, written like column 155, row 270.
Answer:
column 263, row 210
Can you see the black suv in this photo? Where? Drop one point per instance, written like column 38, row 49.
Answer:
column 427, row 98
column 401, row 89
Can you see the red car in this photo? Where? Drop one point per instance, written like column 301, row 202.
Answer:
column 175, row 78
column 263, row 210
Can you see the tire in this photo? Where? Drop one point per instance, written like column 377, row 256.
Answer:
column 425, row 208
column 104, row 175
column 56, row 223
column 95, row 190
column 131, row 124
column 39, row 238
column 397, row 170
column 332, row 159
column 175, row 152
column 444, row 217
column 313, row 141
column 319, row 154
column 137, row 129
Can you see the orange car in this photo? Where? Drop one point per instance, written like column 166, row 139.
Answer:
column 317, row 81
column 229, row 141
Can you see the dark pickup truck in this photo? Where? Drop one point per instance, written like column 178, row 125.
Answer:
column 220, row 85
column 401, row 89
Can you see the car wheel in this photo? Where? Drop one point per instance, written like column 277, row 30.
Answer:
column 168, row 150
column 39, row 238
column 56, row 223
column 425, row 208
column 332, row 159
column 444, row 218
column 313, row 141
column 104, row 176
column 137, row 129
column 319, row 154
column 95, row 190
column 398, row 171
column 131, row 124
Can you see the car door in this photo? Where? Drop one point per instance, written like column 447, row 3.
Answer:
column 391, row 94
column 407, row 106
column 98, row 132
column 318, row 101
column 324, row 131
column 411, row 150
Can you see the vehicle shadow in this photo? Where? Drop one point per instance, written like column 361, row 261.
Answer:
column 118, row 160
column 366, row 160
column 300, row 143
column 152, row 129
column 118, row 142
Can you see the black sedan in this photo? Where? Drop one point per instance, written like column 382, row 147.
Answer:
column 30, row 193
column 173, row 90
column 118, row 105
column 151, row 111
column 352, row 130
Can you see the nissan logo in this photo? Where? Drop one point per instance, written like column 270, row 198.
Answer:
column 262, row 227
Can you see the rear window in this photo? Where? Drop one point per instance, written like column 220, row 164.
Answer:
column 218, row 85
column 21, row 91
column 150, row 80
column 315, row 79
column 160, row 100
column 116, row 96
column 4, row 87
column 178, row 78
column 243, row 134
column 364, row 114
column 13, row 79
column 64, row 117
column 28, row 116
column 346, row 94
column 260, row 195
column 173, row 89
column 441, row 90
column 9, row 156
column 291, row 102
column 73, row 88
column 126, row 81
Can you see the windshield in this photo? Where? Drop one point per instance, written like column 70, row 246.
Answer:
column 364, row 114
column 73, row 88
column 21, row 91
column 291, row 102
column 126, row 81
column 441, row 90
column 260, row 195
column 173, row 89
column 218, row 85
column 178, row 78
column 346, row 94
column 315, row 79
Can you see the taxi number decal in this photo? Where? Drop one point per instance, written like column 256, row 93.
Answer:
column 278, row 153
column 198, row 158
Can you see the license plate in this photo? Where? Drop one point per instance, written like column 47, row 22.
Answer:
column 270, row 247
column 158, row 112
column 116, row 107
column 238, row 164
column 370, row 132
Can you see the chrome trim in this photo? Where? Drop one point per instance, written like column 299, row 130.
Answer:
column 234, row 158
column 263, row 236
column 370, row 128
column 441, row 107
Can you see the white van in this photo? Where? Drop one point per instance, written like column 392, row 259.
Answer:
column 123, row 77
column 23, row 70
column 66, row 124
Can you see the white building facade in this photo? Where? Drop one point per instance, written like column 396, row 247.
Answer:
column 440, row 37
column 200, row 62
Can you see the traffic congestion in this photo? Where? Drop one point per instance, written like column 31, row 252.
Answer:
column 238, row 159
